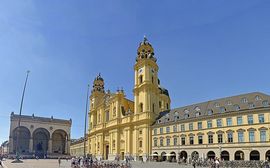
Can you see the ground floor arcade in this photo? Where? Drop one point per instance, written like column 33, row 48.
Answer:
column 228, row 154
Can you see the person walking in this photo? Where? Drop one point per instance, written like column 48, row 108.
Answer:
column 59, row 161
column 193, row 163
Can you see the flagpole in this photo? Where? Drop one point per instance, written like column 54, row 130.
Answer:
column 19, row 122
column 85, row 121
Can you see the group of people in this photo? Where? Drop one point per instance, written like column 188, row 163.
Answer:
column 92, row 162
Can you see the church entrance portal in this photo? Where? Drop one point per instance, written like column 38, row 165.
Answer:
column 107, row 152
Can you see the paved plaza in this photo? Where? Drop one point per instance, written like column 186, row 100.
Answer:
column 51, row 163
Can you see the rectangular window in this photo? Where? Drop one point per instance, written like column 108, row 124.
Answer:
column 155, row 142
column 251, row 136
column 183, row 140
column 220, row 138
column 168, row 142
column 183, row 127
column 191, row 126
column 199, row 125
column 240, row 137
column 239, row 120
column 161, row 142
column 140, row 144
column 261, row 118
column 161, row 130
column 250, row 119
column 229, row 121
column 167, row 129
column 230, row 137
column 174, row 141
column 209, row 124
column 155, row 131
column 219, row 123
column 200, row 139
column 210, row 139
column 263, row 136
column 191, row 140
column 174, row 128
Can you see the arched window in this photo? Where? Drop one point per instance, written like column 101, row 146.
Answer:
column 186, row 116
column 198, row 114
column 114, row 111
column 251, row 105
column 257, row 98
column 107, row 116
column 210, row 112
column 265, row 103
column 176, row 116
column 244, row 100
column 140, row 79
column 236, row 107
column 141, row 107
column 222, row 109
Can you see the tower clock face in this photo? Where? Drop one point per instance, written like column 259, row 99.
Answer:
column 140, row 71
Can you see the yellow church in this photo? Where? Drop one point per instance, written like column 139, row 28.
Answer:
column 230, row 128
column 122, row 127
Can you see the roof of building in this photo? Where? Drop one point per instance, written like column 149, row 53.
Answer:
column 214, row 107
column 40, row 119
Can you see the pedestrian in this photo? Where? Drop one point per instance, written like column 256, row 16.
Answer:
column 59, row 161
column 217, row 163
column 1, row 163
column 193, row 163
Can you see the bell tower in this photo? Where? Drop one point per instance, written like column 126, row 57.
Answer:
column 97, row 91
column 146, row 89
column 96, row 98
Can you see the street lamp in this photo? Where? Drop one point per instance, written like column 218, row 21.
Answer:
column 19, row 120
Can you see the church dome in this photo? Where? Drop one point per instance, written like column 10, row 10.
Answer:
column 145, row 51
column 98, row 84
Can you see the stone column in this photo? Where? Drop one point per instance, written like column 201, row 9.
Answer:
column 66, row 146
column 10, row 145
column 50, row 146
column 31, row 145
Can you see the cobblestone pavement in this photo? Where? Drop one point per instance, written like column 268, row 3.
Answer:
column 53, row 163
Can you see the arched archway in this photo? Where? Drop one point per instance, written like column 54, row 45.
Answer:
column 267, row 155
column 183, row 156
column 59, row 139
column 172, row 157
column 211, row 155
column 41, row 138
column 24, row 136
column 194, row 155
column 239, row 155
column 225, row 155
column 163, row 156
column 155, row 156
column 254, row 155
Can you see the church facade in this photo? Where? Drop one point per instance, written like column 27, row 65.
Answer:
column 122, row 127
column 231, row 128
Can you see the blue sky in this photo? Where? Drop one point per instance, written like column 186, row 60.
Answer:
column 205, row 50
